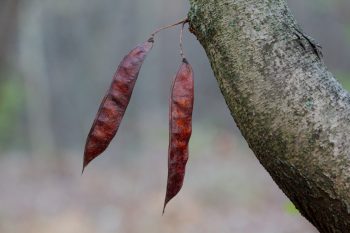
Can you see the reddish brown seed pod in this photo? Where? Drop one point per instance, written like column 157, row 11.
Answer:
column 115, row 102
column 180, row 124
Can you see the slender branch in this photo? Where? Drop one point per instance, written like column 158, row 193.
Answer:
column 181, row 40
column 185, row 20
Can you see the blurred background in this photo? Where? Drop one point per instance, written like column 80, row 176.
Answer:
column 56, row 62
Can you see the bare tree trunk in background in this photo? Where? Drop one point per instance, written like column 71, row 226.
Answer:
column 8, row 25
column 33, row 66
column 294, row 115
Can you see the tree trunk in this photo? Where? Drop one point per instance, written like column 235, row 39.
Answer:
column 293, row 113
column 8, row 24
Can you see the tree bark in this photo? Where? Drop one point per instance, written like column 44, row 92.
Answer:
column 294, row 115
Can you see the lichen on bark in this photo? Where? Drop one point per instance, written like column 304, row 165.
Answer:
column 293, row 113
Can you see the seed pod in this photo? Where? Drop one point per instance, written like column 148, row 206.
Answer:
column 115, row 102
column 181, row 107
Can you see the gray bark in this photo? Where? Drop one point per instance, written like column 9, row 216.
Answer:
column 294, row 115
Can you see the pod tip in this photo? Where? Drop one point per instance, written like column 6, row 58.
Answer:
column 85, row 163
column 163, row 209
column 82, row 171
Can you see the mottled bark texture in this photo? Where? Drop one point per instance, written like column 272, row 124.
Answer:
column 293, row 113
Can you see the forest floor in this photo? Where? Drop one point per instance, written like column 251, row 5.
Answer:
column 222, row 193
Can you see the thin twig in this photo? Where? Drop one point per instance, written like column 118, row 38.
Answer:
column 169, row 26
column 181, row 41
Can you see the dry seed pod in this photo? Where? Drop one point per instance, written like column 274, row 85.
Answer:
column 181, row 107
column 115, row 102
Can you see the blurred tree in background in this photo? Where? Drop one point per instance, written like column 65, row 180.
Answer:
column 11, row 92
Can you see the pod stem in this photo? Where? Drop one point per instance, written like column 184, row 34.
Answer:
column 181, row 41
column 185, row 20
